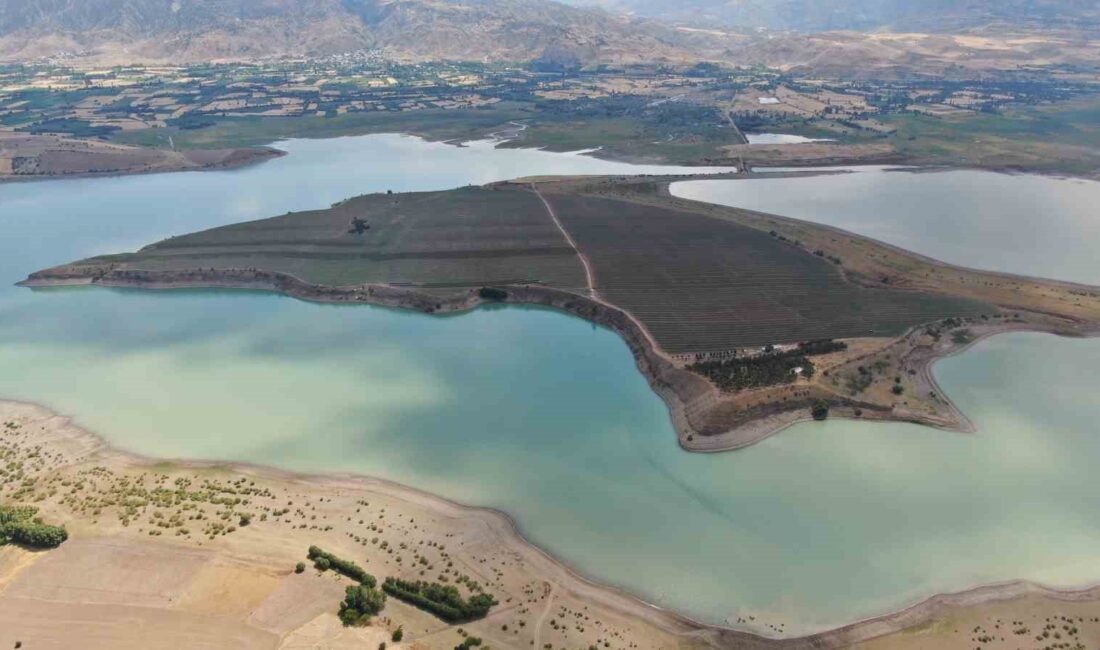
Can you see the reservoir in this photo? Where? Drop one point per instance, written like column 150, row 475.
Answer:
column 543, row 415
column 1015, row 223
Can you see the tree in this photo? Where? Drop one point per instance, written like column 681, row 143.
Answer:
column 820, row 409
column 398, row 634
column 360, row 603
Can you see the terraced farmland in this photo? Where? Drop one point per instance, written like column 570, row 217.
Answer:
column 459, row 238
column 700, row 284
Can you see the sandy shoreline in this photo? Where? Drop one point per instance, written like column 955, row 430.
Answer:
column 85, row 449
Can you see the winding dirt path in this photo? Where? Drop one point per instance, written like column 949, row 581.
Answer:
column 545, row 613
column 588, row 275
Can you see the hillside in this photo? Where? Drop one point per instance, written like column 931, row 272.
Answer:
column 867, row 15
column 199, row 30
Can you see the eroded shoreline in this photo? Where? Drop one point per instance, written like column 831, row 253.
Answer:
column 705, row 419
column 698, row 410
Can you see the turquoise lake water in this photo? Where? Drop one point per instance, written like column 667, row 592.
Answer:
column 541, row 414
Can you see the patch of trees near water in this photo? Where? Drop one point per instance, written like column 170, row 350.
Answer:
column 443, row 601
column 364, row 600
column 768, row 369
column 19, row 525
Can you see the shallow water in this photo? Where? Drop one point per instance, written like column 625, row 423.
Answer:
column 1032, row 225
column 541, row 414
column 781, row 138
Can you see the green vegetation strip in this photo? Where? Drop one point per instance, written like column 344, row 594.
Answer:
column 362, row 601
column 768, row 369
column 19, row 525
column 324, row 561
column 444, row 601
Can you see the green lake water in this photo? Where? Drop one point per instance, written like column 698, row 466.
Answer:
column 543, row 415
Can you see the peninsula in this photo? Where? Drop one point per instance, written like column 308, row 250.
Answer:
column 744, row 323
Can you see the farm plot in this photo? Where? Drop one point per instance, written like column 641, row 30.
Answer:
column 702, row 284
column 458, row 238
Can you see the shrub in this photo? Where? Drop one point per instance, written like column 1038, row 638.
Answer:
column 489, row 293
column 897, row 389
column 300, row 567
column 398, row 634
column 820, row 409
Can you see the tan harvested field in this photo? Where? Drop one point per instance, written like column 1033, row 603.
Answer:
column 24, row 156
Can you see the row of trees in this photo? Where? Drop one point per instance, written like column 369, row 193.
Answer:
column 364, row 600
column 19, row 525
column 443, row 601
column 323, row 561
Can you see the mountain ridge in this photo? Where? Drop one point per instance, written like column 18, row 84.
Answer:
column 193, row 30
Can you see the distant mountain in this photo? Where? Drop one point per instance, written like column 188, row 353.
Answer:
column 865, row 15
column 189, row 30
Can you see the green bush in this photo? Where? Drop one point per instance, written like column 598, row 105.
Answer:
column 820, row 409
column 489, row 293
